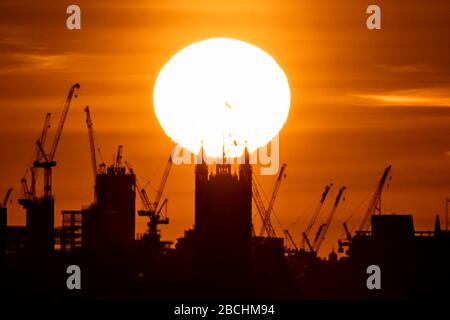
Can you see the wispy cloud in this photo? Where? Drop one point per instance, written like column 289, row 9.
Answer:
column 408, row 68
column 421, row 97
column 33, row 62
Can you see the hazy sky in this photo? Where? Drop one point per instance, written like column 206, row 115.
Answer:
column 360, row 99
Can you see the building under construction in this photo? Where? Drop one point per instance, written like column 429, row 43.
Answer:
column 109, row 223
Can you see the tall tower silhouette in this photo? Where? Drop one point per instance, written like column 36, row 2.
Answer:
column 223, row 214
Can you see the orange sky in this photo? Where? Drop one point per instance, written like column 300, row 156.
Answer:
column 360, row 99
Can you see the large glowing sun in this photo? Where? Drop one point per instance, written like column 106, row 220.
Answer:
column 221, row 92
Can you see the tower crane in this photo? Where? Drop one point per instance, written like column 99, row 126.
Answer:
column 26, row 195
column 323, row 229
column 375, row 201
column 269, row 209
column 91, row 143
column 160, row 217
column 348, row 234
column 29, row 193
column 291, row 240
column 117, row 162
column 146, row 204
column 311, row 223
column 270, row 231
column 162, row 185
column 102, row 166
column 39, row 155
column 374, row 206
column 155, row 217
column 49, row 161
column 5, row 200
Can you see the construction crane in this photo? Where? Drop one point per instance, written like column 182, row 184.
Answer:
column 91, row 143
column 34, row 171
column 118, row 160
column 267, row 225
column 162, row 185
column 375, row 201
column 325, row 226
column 146, row 204
column 160, row 217
column 269, row 209
column 49, row 161
column 5, row 200
column 311, row 223
column 102, row 166
column 29, row 193
column 374, row 206
column 26, row 195
column 156, row 217
column 348, row 234
column 291, row 240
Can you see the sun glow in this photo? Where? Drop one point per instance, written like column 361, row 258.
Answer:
column 221, row 92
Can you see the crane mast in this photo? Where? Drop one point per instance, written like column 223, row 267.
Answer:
column 118, row 160
column 91, row 142
column 269, row 209
column 155, row 216
column 5, row 200
column 26, row 195
column 315, row 216
column 291, row 240
column 348, row 234
column 326, row 225
column 374, row 206
column 162, row 184
column 375, row 202
column 261, row 210
column 41, row 140
column 62, row 121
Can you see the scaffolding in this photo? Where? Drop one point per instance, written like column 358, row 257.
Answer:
column 69, row 235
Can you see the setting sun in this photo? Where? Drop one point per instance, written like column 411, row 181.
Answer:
column 221, row 92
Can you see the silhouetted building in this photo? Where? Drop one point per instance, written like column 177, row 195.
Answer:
column 332, row 257
column 223, row 222
column 69, row 235
column 413, row 263
column 40, row 223
column 3, row 226
column 110, row 222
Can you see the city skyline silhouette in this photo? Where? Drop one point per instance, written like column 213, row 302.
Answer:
column 361, row 101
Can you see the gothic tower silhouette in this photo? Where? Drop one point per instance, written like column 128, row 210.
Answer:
column 223, row 222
